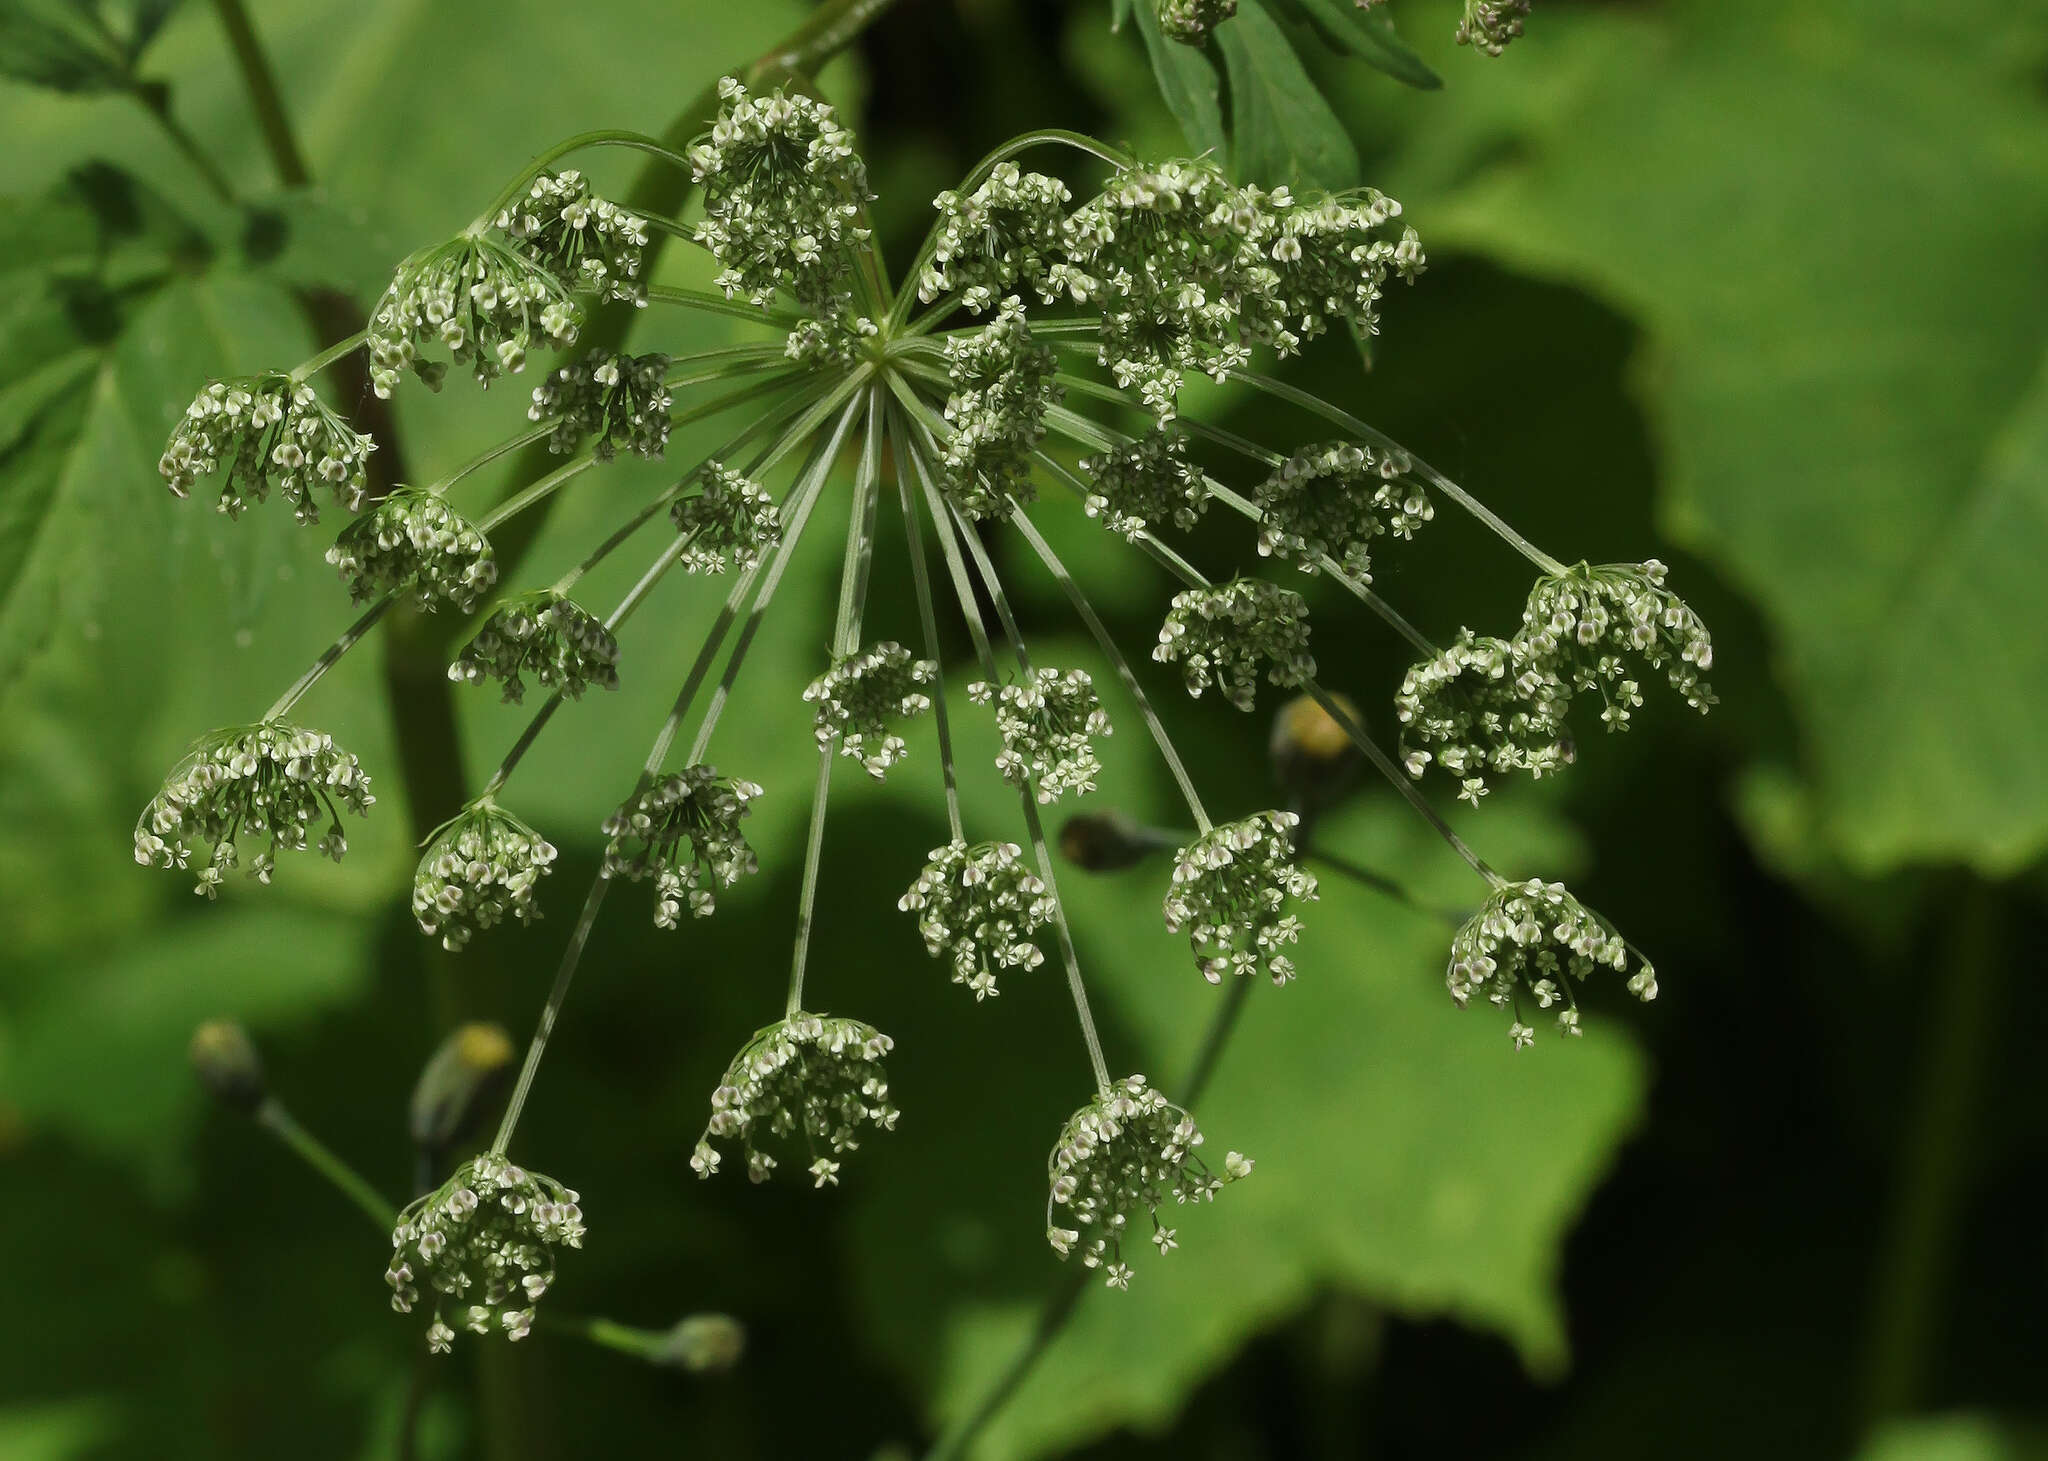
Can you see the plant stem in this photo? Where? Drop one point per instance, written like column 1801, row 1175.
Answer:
column 1436, row 479
column 807, row 901
column 330, row 657
column 261, row 84
column 970, row 609
column 928, row 620
column 346, row 1180
column 156, row 100
column 565, row 974
column 1935, row 1166
column 717, row 304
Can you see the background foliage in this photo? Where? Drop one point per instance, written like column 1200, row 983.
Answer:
column 1747, row 286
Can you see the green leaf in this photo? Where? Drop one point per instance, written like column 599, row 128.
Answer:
column 1283, row 129
column 57, row 1431
column 78, row 45
column 1821, row 238
column 99, row 1049
column 1370, row 36
column 1187, row 84
column 1404, row 1152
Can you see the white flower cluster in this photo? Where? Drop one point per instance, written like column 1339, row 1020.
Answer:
column 1579, row 625
column 1047, row 724
column 783, row 194
column 483, row 1247
column 585, row 241
column 1474, row 709
column 478, row 868
column 486, row 302
column 1537, row 936
column 1491, row 25
column 982, row 904
column 1190, row 21
column 1006, row 233
column 730, row 519
column 684, row 832
column 1333, row 500
column 862, row 693
column 1222, row 635
column 564, row 646
column 270, row 782
column 267, row 431
column 1189, row 271
column 1228, row 889
column 414, row 543
column 1003, row 384
column 620, row 400
column 819, row 1075
column 1128, row 1149
column 1145, row 485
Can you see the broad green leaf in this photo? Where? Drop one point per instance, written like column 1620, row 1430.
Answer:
column 1370, row 36
column 1282, row 128
column 1187, row 84
column 1822, row 238
column 77, row 45
column 98, row 1050
column 1404, row 1152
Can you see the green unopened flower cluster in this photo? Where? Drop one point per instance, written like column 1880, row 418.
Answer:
column 616, row 402
column 730, row 520
column 478, row 868
column 1002, row 387
column 1224, row 635
column 481, row 1249
column 981, row 904
column 546, row 634
column 684, row 832
column 1146, row 484
column 1332, row 501
column 487, row 303
column 271, row 783
column 1129, row 1149
column 1229, row 887
column 862, row 693
column 1491, row 25
column 817, row 1075
column 263, row 432
column 783, row 198
column 587, row 242
column 1048, row 723
column 1190, row 21
column 1006, row 233
column 413, row 543
column 1536, row 936
column 1472, row 710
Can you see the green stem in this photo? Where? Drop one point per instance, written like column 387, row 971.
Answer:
column 602, row 137
column 928, row 620
column 1935, row 1165
column 565, row 975
column 330, row 657
column 807, row 901
column 713, row 303
column 156, row 100
column 264, row 99
column 344, row 346
column 346, row 1180
column 1436, row 479
column 970, row 609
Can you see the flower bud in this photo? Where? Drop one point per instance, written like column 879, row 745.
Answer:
column 1107, row 842
column 1313, row 757
column 703, row 1344
column 459, row 1085
column 226, row 1062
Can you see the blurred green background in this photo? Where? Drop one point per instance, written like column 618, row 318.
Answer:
column 1756, row 288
